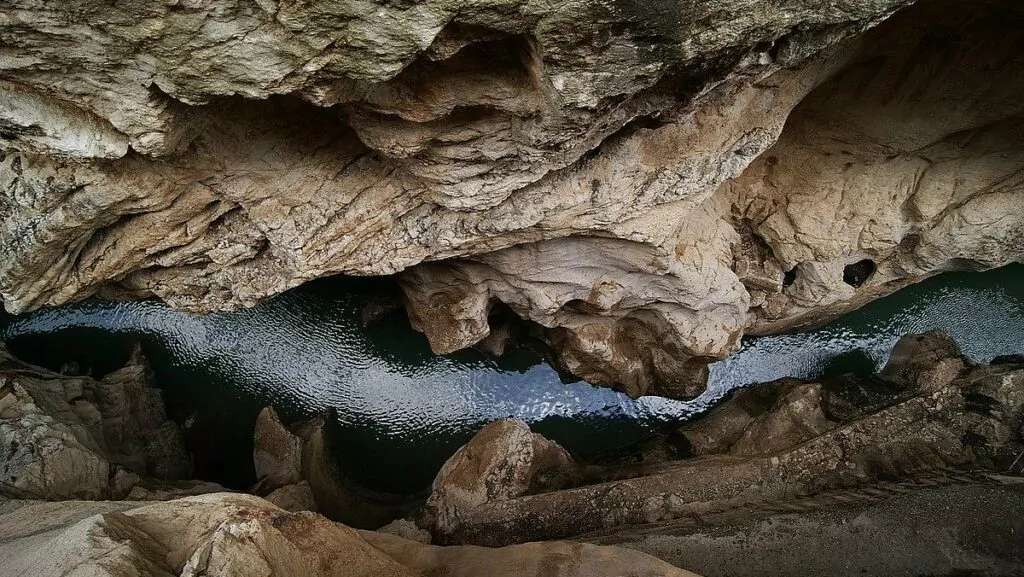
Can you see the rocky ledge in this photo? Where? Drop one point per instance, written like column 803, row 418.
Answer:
column 231, row 535
column 930, row 418
column 642, row 182
column 75, row 437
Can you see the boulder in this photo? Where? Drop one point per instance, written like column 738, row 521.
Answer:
column 930, row 359
column 503, row 461
column 276, row 453
column 297, row 470
column 760, row 420
column 295, row 497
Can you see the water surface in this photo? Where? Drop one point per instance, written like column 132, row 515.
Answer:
column 403, row 410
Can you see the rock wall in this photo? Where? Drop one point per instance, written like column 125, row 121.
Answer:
column 75, row 437
column 617, row 172
column 904, row 161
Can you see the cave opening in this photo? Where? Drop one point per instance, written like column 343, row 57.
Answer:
column 858, row 273
column 789, row 277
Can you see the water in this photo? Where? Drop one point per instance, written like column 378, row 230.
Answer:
column 402, row 410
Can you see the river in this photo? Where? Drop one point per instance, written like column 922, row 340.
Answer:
column 402, row 410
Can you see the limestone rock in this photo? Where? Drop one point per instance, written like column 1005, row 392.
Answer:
column 77, row 437
column 645, row 182
column 761, row 420
column 276, row 453
column 297, row 470
column 220, row 534
column 560, row 558
column 503, row 461
column 932, row 357
column 864, row 190
column 229, row 535
column 156, row 490
column 406, row 529
column 295, row 497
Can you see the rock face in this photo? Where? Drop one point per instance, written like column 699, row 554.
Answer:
column 227, row 535
column 67, row 437
column 646, row 181
column 933, row 414
column 296, row 469
column 277, row 452
column 903, row 161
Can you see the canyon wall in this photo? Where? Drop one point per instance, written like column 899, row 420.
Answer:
column 646, row 182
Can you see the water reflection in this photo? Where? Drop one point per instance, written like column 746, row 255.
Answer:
column 403, row 410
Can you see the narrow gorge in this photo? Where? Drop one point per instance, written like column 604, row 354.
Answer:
column 691, row 284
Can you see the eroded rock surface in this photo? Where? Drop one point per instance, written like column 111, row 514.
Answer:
column 902, row 160
column 277, row 452
column 64, row 437
column 297, row 470
column 646, row 181
column 240, row 535
column 503, row 461
column 932, row 414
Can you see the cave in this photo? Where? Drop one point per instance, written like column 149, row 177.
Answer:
column 858, row 273
column 613, row 226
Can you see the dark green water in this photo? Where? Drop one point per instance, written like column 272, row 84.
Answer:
column 402, row 410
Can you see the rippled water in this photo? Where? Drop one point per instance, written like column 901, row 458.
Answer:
column 403, row 410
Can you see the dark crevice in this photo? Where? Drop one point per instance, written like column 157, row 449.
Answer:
column 645, row 122
column 858, row 273
column 789, row 278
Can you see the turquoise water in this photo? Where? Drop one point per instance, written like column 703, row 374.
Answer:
column 402, row 410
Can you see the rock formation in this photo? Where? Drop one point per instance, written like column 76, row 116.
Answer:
column 903, row 161
column 297, row 470
column 65, row 437
column 503, row 461
column 931, row 413
column 646, row 181
column 229, row 535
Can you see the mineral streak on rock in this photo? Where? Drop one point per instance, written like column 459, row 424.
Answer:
column 646, row 181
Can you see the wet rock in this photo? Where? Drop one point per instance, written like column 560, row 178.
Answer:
column 241, row 535
column 930, row 359
column 77, row 437
column 503, row 461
